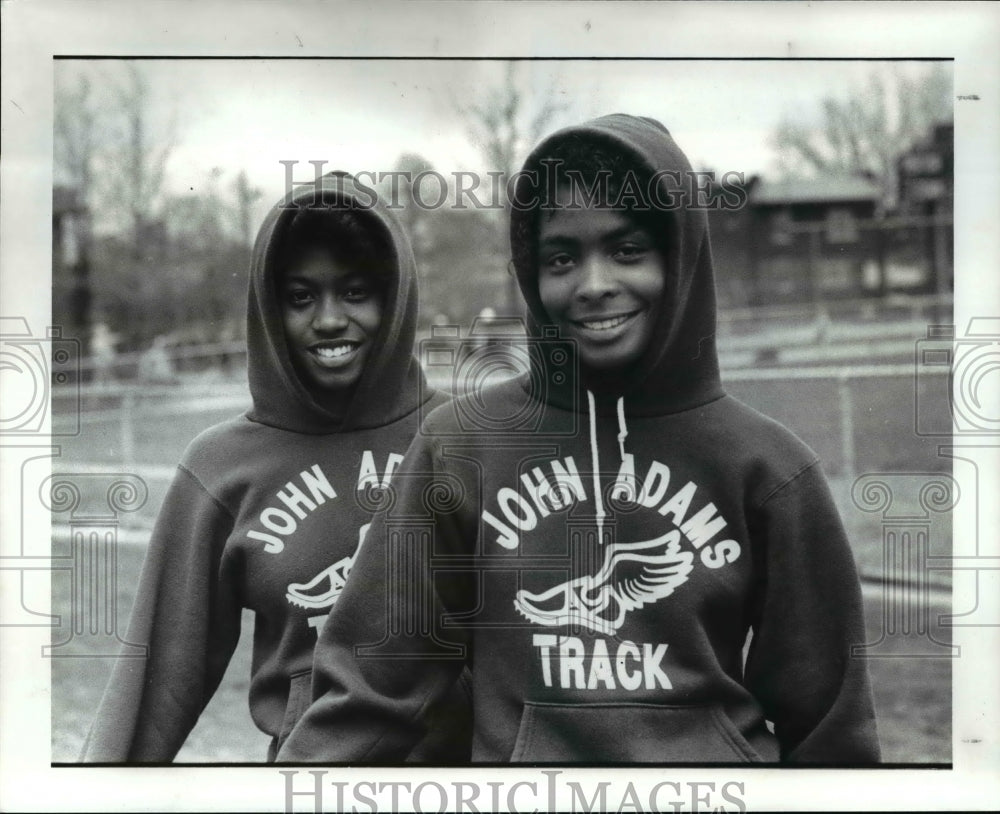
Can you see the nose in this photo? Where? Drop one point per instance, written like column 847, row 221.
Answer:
column 329, row 315
column 596, row 279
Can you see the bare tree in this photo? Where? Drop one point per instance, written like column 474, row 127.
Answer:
column 75, row 120
column 398, row 190
column 246, row 197
column 141, row 156
column 132, row 189
column 505, row 126
column 75, row 125
column 865, row 133
column 162, row 260
column 111, row 156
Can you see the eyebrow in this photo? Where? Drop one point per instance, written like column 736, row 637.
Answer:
column 626, row 230
column 349, row 277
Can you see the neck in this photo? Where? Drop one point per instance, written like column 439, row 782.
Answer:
column 334, row 402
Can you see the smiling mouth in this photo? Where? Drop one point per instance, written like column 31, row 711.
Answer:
column 606, row 324
column 334, row 354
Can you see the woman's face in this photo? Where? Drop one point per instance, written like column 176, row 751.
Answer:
column 331, row 315
column 601, row 282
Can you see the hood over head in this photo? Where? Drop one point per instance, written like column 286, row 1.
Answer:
column 679, row 367
column 392, row 382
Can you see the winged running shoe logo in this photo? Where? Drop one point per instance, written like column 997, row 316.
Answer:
column 632, row 575
column 323, row 590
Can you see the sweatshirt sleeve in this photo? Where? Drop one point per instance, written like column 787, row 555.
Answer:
column 382, row 660
column 808, row 615
column 187, row 613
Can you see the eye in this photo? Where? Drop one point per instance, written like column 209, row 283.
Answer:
column 357, row 291
column 629, row 252
column 558, row 263
column 298, row 297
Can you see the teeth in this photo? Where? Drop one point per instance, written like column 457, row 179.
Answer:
column 605, row 324
column 333, row 353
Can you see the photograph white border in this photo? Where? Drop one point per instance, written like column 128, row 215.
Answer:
column 34, row 31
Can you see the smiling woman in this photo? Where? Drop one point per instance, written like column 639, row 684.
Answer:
column 332, row 293
column 643, row 507
column 262, row 513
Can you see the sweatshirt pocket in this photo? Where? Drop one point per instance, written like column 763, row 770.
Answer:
column 629, row 733
column 299, row 699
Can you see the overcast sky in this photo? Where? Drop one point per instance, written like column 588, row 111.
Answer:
column 362, row 114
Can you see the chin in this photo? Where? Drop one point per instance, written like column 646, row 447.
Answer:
column 611, row 362
column 611, row 367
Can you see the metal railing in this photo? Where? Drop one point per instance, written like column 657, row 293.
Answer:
column 118, row 412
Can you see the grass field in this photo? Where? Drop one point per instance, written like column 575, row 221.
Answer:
column 913, row 695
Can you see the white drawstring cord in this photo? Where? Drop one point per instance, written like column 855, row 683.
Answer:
column 595, row 459
column 622, row 429
column 595, row 464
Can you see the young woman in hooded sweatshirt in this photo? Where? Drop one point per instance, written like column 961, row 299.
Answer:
column 267, row 511
column 608, row 530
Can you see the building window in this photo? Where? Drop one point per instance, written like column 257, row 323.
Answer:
column 923, row 164
column 841, row 227
column 836, row 276
column 781, row 229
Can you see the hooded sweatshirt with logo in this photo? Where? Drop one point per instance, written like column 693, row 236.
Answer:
column 600, row 550
column 267, row 511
